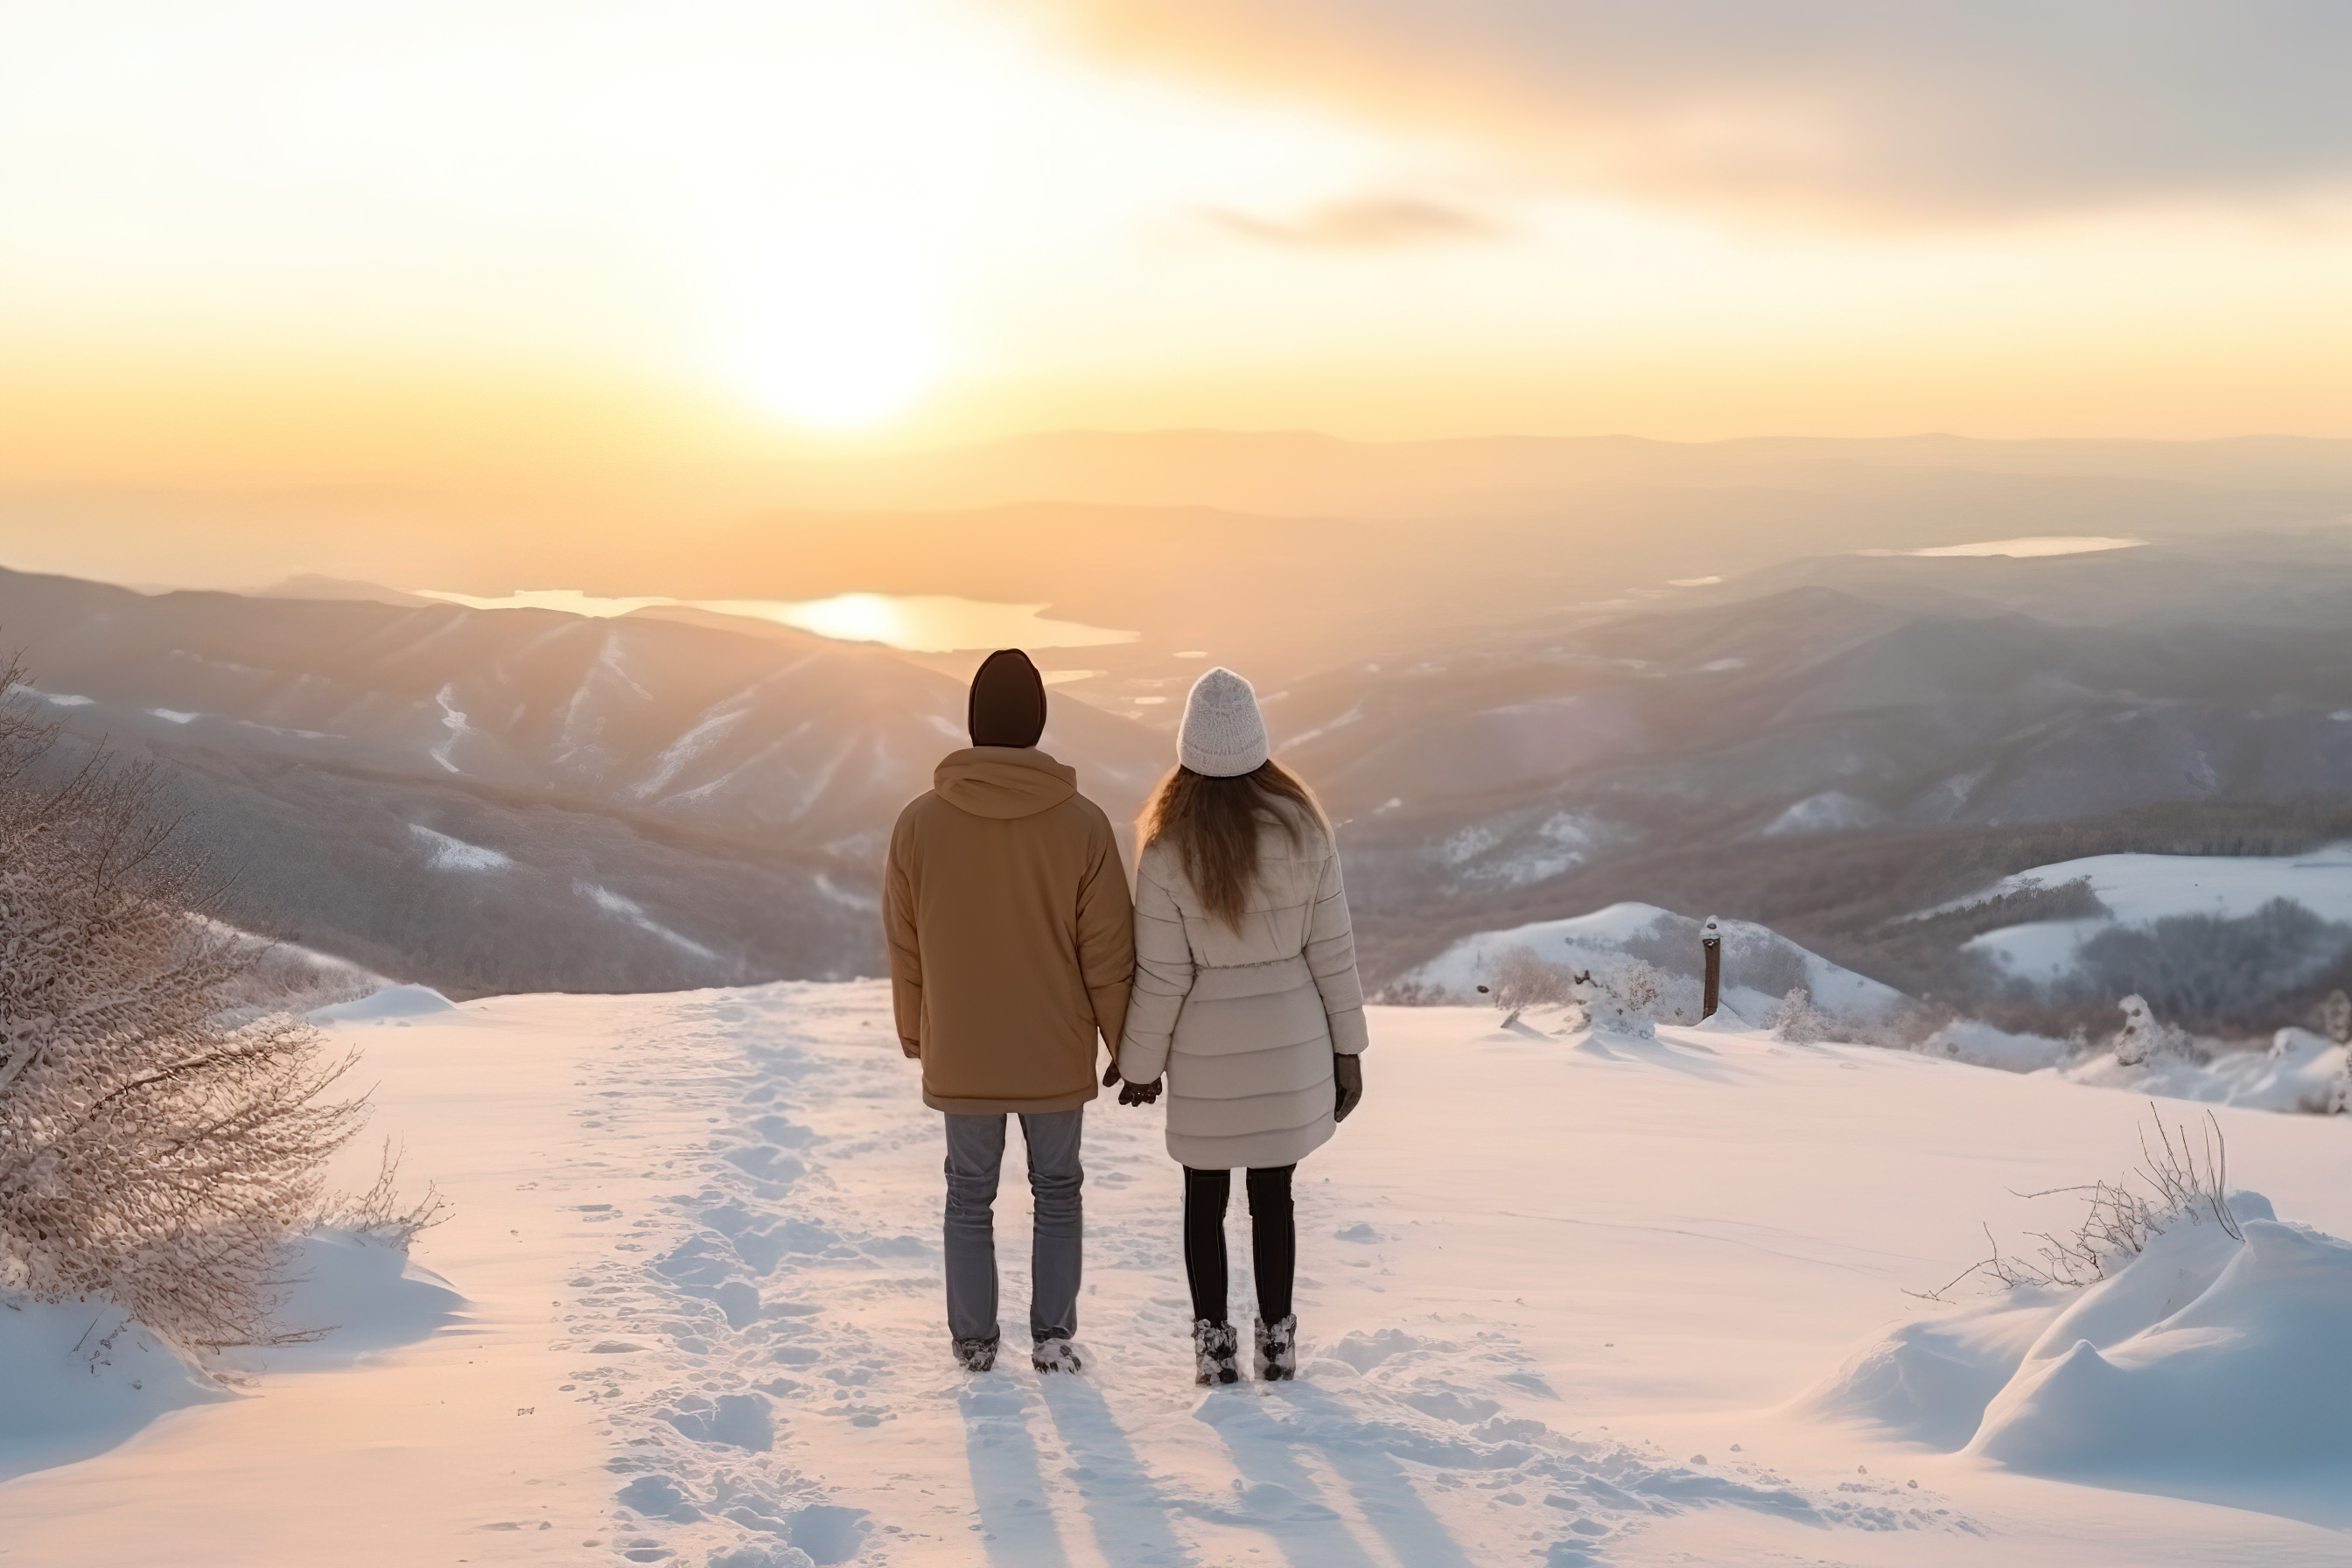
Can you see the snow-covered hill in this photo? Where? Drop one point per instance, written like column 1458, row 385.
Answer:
column 1563, row 1298
column 1761, row 966
column 2139, row 890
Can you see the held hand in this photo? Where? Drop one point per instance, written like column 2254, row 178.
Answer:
column 914, row 1048
column 1110, row 1074
column 1139, row 1093
column 1348, row 1072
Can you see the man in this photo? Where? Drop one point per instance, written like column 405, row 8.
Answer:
column 1012, row 946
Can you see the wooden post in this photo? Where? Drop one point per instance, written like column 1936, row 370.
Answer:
column 1710, row 939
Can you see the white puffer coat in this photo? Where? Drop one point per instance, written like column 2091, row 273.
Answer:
column 1244, row 1022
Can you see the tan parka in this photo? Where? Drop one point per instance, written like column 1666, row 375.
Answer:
column 1011, row 933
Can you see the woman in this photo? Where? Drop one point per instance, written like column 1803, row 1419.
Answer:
column 1246, row 996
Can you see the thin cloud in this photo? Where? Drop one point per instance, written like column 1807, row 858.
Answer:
column 1925, row 109
column 1377, row 223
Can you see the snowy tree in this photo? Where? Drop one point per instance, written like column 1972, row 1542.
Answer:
column 149, row 1153
column 2143, row 1035
column 1629, row 999
column 1521, row 980
column 2336, row 1017
column 1798, row 1021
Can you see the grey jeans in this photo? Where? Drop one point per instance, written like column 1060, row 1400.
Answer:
column 975, row 1156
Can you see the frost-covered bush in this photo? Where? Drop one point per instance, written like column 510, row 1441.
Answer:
column 1626, row 997
column 150, row 1153
column 282, row 978
column 2145, row 1037
column 2183, row 1179
column 1634, row 997
column 1798, row 1021
column 1521, row 980
column 2336, row 1017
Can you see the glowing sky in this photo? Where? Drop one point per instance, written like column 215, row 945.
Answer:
column 284, row 240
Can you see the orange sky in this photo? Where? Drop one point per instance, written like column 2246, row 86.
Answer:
column 505, row 241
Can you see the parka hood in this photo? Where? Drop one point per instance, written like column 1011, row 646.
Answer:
column 1003, row 782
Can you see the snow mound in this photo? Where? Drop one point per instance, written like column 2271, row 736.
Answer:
column 1761, row 966
column 360, row 1295
column 78, row 1378
column 285, row 977
column 392, row 1002
column 2301, row 1072
column 2210, row 1366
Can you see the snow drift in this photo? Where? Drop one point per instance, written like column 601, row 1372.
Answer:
column 2301, row 1072
column 78, row 1377
column 2213, row 1365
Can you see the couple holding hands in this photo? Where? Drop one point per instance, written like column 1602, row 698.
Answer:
column 1230, row 971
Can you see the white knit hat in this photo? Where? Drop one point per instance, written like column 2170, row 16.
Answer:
column 1223, row 734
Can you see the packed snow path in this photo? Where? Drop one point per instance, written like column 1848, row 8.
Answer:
column 790, row 1375
column 1561, row 1298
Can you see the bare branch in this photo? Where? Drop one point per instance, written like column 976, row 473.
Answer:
column 2184, row 1185
column 156, row 1150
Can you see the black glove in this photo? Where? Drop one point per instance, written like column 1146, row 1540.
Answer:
column 1348, row 1071
column 1139, row 1093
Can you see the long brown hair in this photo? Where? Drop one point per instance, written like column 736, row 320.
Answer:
column 1214, row 824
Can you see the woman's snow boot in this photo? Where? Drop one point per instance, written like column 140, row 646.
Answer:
column 1277, row 1349
column 1215, row 1349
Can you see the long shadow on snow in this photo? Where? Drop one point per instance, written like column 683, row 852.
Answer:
column 1265, row 1446
column 1124, row 1503
column 1007, row 1483
column 1683, row 1057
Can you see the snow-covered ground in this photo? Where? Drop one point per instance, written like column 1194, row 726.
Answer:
column 2301, row 1072
column 1566, row 1301
column 2140, row 890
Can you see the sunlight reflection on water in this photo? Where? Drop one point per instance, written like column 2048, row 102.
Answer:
column 2023, row 548
column 921, row 623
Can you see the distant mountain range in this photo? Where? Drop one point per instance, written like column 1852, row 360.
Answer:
column 1470, row 648
column 522, row 799
column 1828, row 746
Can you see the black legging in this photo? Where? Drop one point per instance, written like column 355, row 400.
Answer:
column 1274, row 1239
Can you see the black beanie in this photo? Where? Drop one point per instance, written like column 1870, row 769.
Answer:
column 1008, row 701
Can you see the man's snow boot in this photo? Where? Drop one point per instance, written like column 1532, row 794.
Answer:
column 975, row 1355
column 1215, row 1350
column 1277, row 1349
column 1055, row 1355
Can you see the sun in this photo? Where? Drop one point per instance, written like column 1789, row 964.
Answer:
column 842, row 332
